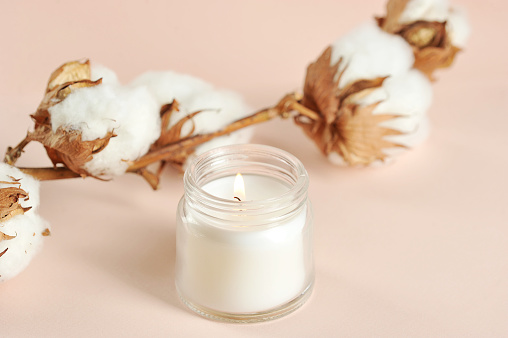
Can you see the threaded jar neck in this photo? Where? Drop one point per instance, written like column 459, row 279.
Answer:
column 247, row 159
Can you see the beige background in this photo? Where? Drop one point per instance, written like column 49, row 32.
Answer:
column 415, row 249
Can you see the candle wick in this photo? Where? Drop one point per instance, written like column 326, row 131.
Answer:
column 238, row 198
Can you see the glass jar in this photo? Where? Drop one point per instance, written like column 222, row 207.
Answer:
column 244, row 260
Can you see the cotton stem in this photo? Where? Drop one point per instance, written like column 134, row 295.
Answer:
column 283, row 109
column 12, row 154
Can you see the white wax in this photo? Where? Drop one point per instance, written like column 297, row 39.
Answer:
column 242, row 269
column 256, row 187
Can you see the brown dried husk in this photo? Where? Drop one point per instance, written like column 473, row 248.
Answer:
column 10, row 206
column 431, row 45
column 170, row 135
column 65, row 146
column 9, row 202
column 345, row 127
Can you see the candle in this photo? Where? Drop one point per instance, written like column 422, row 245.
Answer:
column 244, row 250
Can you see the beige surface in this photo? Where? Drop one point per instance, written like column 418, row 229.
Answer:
column 415, row 249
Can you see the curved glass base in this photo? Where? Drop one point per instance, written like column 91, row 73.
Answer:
column 271, row 314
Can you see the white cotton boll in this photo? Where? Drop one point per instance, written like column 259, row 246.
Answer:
column 410, row 140
column 417, row 136
column 408, row 95
column 428, row 10
column 27, row 228
column 337, row 159
column 457, row 27
column 166, row 86
column 220, row 107
column 107, row 75
column 87, row 110
column 368, row 52
column 131, row 113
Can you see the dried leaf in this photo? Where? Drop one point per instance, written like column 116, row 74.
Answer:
column 69, row 72
column 65, row 146
column 356, row 135
column 431, row 45
column 362, row 137
column 343, row 126
column 170, row 134
column 357, row 87
column 151, row 178
column 46, row 232
column 427, row 60
column 321, row 82
column 394, row 9
column 423, row 34
column 9, row 202
column 5, row 237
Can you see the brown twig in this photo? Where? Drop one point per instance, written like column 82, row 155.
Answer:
column 12, row 154
column 193, row 141
column 283, row 108
column 288, row 103
column 47, row 174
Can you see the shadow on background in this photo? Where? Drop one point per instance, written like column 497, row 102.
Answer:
column 146, row 260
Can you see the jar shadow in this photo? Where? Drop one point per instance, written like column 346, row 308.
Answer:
column 146, row 262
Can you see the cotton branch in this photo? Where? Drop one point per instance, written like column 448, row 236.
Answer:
column 283, row 109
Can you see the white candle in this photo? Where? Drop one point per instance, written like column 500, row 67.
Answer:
column 244, row 269
column 244, row 253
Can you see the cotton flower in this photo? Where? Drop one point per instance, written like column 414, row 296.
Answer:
column 368, row 52
column 21, row 228
column 371, row 103
column 98, row 127
column 130, row 113
column 370, row 88
column 218, row 107
column 434, row 30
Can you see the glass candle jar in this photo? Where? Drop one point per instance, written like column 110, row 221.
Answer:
column 244, row 258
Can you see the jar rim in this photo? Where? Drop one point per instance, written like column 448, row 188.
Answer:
column 288, row 201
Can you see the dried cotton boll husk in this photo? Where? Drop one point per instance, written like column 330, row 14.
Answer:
column 407, row 97
column 457, row 24
column 368, row 120
column 215, row 109
column 21, row 228
column 93, row 125
column 64, row 146
column 435, row 31
column 131, row 114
